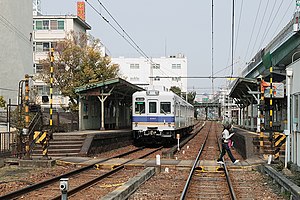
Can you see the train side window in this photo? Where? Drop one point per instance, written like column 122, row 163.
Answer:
column 152, row 107
column 165, row 107
column 139, row 107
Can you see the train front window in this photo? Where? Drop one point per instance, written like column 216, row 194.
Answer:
column 139, row 107
column 165, row 107
column 152, row 107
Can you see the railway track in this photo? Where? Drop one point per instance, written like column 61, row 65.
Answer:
column 211, row 184
column 87, row 175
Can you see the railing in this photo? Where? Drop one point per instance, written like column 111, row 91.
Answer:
column 7, row 141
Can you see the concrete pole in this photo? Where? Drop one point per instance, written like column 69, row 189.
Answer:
column 287, row 132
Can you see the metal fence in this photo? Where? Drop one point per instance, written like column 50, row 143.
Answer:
column 7, row 141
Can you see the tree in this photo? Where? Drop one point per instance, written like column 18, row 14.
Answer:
column 176, row 90
column 78, row 61
column 2, row 102
column 190, row 96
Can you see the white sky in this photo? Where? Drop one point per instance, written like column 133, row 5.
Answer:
column 185, row 27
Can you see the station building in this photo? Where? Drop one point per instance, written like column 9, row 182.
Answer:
column 16, row 45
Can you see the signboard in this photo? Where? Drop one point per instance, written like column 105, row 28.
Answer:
column 81, row 10
column 278, row 91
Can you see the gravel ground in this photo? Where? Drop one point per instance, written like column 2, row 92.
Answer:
column 14, row 177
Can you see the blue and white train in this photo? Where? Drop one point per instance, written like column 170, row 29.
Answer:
column 158, row 116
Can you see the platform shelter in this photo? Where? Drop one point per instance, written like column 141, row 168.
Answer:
column 106, row 104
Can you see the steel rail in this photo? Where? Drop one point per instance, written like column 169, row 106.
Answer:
column 57, row 178
column 97, row 179
column 189, row 179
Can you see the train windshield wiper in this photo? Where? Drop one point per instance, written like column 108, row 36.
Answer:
column 163, row 111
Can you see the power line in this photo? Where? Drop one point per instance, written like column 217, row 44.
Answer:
column 232, row 37
column 253, row 29
column 271, row 23
column 282, row 18
column 261, row 22
column 238, row 27
column 266, row 27
column 132, row 44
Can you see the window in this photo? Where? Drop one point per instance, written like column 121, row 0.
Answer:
column 156, row 66
column 134, row 66
column 53, row 24
column 176, row 66
column 46, row 46
column 38, row 68
column 38, row 46
column 139, row 107
column 61, row 25
column 45, row 24
column 165, row 107
column 38, row 25
column 152, row 107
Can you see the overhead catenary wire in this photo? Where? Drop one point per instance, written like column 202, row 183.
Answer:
column 260, row 26
column 238, row 25
column 132, row 44
column 285, row 13
column 274, row 17
column 266, row 26
column 253, row 29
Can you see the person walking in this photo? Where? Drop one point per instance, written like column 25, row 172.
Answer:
column 226, row 135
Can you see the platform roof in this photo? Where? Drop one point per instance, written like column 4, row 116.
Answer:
column 242, row 87
column 115, row 85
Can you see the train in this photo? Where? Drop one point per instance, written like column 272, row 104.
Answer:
column 160, row 116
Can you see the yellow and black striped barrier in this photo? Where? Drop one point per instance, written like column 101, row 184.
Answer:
column 42, row 137
column 279, row 140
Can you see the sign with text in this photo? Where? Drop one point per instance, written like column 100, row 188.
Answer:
column 278, row 91
column 81, row 10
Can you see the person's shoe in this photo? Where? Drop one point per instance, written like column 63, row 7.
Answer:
column 220, row 162
column 236, row 161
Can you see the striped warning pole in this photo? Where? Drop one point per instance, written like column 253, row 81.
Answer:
column 271, row 105
column 51, row 86
column 27, row 118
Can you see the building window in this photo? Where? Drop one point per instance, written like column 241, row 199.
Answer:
column 156, row 66
column 38, row 25
column 134, row 66
column 61, row 25
column 43, row 46
column 45, row 24
column 46, row 46
column 38, row 68
column 53, row 24
column 176, row 66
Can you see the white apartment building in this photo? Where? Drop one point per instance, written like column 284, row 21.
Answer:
column 16, row 45
column 48, row 30
column 139, row 70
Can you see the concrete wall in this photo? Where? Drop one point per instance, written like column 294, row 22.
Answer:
column 16, row 45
